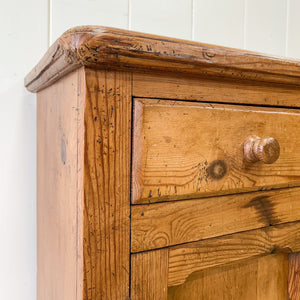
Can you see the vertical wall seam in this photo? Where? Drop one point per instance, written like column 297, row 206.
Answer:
column 48, row 23
column 50, row 4
column 287, row 27
column 129, row 14
column 193, row 20
column 245, row 25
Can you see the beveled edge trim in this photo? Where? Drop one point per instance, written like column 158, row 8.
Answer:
column 104, row 47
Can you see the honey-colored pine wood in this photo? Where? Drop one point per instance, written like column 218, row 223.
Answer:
column 176, row 86
column 104, row 47
column 192, row 257
column 199, row 149
column 294, row 276
column 262, row 278
column 165, row 224
column 60, row 188
column 106, row 248
column 272, row 274
column 84, row 124
column 91, row 244
column 149, row 275
column 218, row 268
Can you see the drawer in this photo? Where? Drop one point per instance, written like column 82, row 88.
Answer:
column 184, row 150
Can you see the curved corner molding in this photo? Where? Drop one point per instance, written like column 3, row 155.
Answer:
column 109, row 48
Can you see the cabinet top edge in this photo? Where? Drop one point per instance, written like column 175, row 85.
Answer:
column 111, row 48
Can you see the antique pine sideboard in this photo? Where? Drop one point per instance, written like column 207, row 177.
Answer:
column 167, row 169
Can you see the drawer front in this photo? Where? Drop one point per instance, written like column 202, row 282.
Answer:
column 184, row 150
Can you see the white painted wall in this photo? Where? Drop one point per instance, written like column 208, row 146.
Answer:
column 28, row 27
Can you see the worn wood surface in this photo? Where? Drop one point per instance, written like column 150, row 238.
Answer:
column 181, row 150
column 177, row 86
column 149, row 275
column 164, row 224
column 192, row 257
column 185, row 150
column 106, row 233
column 263, row 278
column 294, row 276
column 272, row 275
column 100, row 47
column 59, row 188
column 228, row 267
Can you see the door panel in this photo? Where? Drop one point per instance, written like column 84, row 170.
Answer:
column 260, row 264
column 263, row 278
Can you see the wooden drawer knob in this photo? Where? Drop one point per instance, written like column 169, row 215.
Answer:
column 266, row 150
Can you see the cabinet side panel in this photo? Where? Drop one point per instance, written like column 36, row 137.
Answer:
column 59, row 188
column 107, row 185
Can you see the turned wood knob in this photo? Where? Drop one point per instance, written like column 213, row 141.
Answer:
column 265, row 149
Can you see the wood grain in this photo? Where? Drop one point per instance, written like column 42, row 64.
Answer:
column 59, row 188
column 185, row 150
column 160, row 225
column 102, row 47
column 106, row 248
column 263, row 278
column 192, row 257
column 177, row 86
column 91, row 244
column 294, row 276
column 149, row 275
column 272, row 275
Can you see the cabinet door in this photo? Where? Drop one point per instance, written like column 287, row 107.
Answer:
column 263, row 278
column 256, row 264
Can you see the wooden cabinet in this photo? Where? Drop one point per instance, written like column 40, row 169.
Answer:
column 167, row 169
